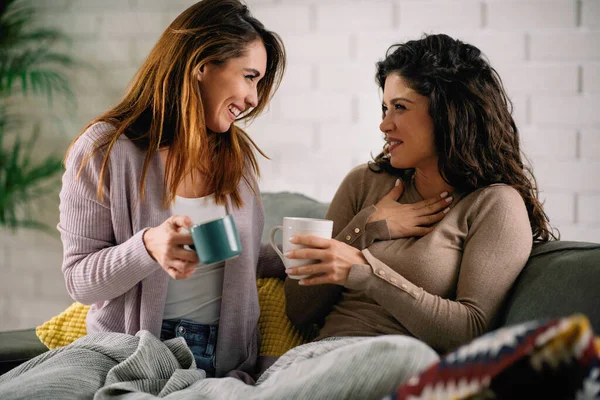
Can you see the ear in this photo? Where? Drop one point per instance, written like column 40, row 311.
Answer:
column 200, row 72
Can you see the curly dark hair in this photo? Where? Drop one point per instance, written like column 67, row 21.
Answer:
column 475, row 135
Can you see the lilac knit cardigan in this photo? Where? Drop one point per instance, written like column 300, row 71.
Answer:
column 106, row 264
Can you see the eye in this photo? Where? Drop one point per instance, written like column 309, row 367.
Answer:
column 399, row 106
column 384, row 110
column 251, row 78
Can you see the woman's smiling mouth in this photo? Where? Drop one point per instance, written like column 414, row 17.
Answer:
column 234, row 112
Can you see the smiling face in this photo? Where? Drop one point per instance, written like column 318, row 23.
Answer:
column 230, row 89
column 408, row 126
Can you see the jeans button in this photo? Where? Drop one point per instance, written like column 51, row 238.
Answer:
column 181, row 330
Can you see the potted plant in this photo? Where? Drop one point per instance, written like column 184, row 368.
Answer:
column 30, row 65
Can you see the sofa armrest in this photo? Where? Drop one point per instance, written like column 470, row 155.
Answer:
column 19, row 346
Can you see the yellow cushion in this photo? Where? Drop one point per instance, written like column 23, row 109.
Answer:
column 66, row 327
column 277, row 333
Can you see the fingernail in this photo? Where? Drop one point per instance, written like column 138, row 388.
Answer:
column 287, row 254
column 301, row 282
column 444, row 194
column 397, row 182
column 292, row 239
column 446, row 210
column 449, row 199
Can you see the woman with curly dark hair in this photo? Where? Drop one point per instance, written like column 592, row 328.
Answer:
column 431, row 235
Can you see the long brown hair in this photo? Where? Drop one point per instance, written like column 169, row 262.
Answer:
column 475, row 135
column 163, row 104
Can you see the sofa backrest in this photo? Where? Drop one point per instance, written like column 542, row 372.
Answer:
column 561, row 278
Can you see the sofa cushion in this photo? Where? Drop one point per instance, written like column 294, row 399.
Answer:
column 64, row 328
column 17, row 347
column 277, row 334
column 561, row 278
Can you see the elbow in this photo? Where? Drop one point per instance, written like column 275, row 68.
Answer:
column 296, row 309
column 474, row 331
column 75, row 290
column 296, row 317
column 476, row 326
column 77, row 294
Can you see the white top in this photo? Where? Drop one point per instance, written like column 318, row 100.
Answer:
column 197, row 298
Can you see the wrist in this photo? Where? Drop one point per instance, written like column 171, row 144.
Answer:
column 360, row 258
column 147, row 237
column 375, row 216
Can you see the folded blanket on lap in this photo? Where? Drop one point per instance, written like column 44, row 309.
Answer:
column 114, row 365
column 554, row 358
column 105, row 363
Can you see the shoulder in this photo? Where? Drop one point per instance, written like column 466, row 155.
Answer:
column 497, row 195
column 364, row 183
column 362, row 176
column 92, row 138
column 360, row 172
column 498, row 205
column 89, row 149
column 99, row 134
column 363, row 187
column 85, row 147
column 249, row 177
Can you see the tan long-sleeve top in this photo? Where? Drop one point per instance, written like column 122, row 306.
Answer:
column 444, row 288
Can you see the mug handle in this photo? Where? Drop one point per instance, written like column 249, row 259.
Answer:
column 272, row 241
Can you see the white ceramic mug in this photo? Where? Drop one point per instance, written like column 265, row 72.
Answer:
column 299, row 226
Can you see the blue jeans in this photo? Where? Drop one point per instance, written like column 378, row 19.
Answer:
column 201, row 339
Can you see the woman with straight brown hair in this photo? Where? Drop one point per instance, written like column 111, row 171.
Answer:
column 169, row 155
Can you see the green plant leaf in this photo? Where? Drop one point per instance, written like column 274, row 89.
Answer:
column 31, row 63
column 23, row 182
column 29, row 58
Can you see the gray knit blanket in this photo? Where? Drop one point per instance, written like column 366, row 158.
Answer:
column 120, row 366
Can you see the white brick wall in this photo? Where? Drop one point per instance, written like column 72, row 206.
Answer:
column 565, row 110
column 560, row 205
column 590, row 144
column 528, row 78
column 588, row 208
column 550, row 143
column 565, row 45
column 591, row 77
column 590, row 14
column 325, row 118
column 270, row 16
column 353, row 16
column 527, row 15
column 546, row 51
column 419, row 16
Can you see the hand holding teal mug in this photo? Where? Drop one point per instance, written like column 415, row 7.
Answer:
column 217, row 240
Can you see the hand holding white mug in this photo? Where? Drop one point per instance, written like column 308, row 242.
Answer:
column 165, row 244
column 407, row 220
column 334, row 260
column 299, row 226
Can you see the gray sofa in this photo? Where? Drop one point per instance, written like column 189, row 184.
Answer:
column 561, row 278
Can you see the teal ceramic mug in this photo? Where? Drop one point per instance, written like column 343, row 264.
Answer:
column 217, row 240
